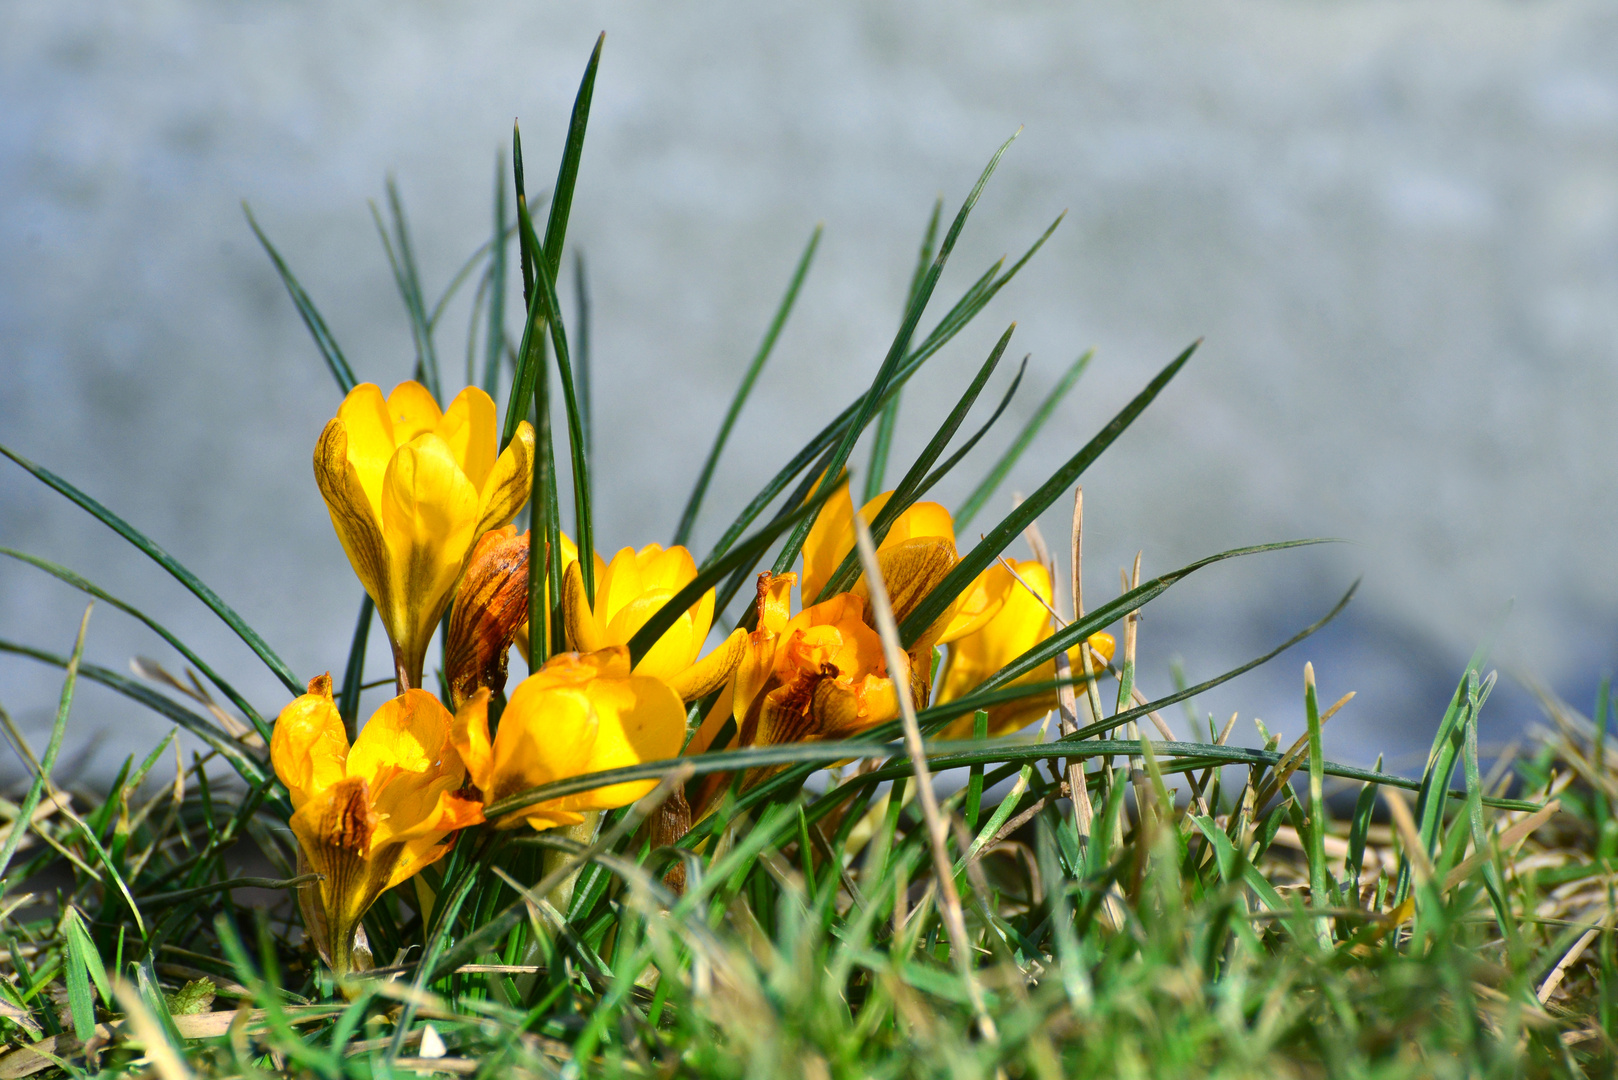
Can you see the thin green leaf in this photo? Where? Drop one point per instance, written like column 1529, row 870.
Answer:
column 80, row 1004
column 249, row 768
column 581, row 332
column 905, row 495
column 327, row 344
column 965, row 309
column 495, row 344
column 167, row 562
column 997, row 475
column 551, row 313
column 987, row 550
column 693, row 505
column 402, row 258
column 25, row 813
column 348, row 701
column 743, row 554
column 873, row 397
column 555, row 228
column 63, row 574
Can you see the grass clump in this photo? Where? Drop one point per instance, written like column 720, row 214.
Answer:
column 621, row 868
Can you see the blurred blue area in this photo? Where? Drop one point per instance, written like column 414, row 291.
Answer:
column 1396, row 225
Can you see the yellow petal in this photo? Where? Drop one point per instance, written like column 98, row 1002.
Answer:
column 309, row 746
column 831, row 538
column 910, row 570
column 470, row 735
column 468, row 426
column 981, row 601
column 426, row 843
column 428, row 512
column 617, row 585
column 334, row 832
column 408, row 734
column 413, row 411
column 505, row 490
column 364, row 414
column 546, row 733
column 580, row 622
column 711, row 672
column 640, row 719
column 353, row 515
column 774, row 601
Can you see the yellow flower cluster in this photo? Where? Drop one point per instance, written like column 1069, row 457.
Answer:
column 422, row 502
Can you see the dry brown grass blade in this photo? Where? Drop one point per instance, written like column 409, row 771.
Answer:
column 937, row 827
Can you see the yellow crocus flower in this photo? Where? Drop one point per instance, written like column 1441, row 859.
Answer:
column 370, row 816
column 917, row 552
column 820, row 674
column 410, row 491
column 629, row 591
column 578, row 714
column 1021, row 623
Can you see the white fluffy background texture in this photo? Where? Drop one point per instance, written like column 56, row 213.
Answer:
column 1396, row 225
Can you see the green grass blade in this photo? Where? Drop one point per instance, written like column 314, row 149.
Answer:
column 881, row 444
column 456, row 282
column 78, row 937
column 897, row 352
column 745, row 553
column 249, row 768
column 997, row 475
column 80, row 1004
column 965, row 309
column 905, row 494
column 495, row 337
column 954, row 459
column 551, row 313
column 581, row 332
column 402, row 258
column 62, row 573
column 1321, row 893
column 888, row 418
column 567, row 176
column 167, row 562
column 1105, row 615
column 30, row 802
column 324, row 341
column 348, row 701
column 693, row 505
column 1173, row 756
column 987, row 550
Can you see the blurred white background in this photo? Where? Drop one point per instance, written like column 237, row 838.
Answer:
column 1395, row 224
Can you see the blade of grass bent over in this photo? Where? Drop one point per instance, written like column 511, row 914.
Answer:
column 25, row 813
column 167, row 562
column 890, row 364
column 985, row 490
column 688, row 518
column 327, row 344
column 987, row 550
